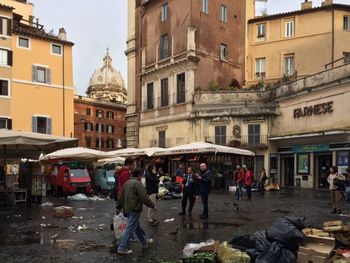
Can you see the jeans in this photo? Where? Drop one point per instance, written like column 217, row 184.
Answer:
column 204, row 197
column 239, row 191
column 133, row 226
column 249, row 191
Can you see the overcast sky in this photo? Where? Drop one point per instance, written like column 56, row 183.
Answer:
column 93, row 25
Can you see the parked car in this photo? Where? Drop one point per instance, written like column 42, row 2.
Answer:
column 104, row 177
column 70, row 178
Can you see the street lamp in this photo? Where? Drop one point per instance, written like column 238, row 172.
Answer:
column 99, row 130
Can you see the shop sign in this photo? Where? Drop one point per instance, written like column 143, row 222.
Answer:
column 321, row 147
column 317, row 109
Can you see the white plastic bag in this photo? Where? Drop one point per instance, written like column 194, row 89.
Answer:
column 232, row 189
column 143, row 182
column 119, row 223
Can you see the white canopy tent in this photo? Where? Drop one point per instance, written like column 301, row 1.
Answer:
column 77, row 154
column 135, row 152
column 202, row 147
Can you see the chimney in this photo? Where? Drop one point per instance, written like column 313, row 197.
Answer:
column 62, row 34
column 327, row 2
column 306, row 5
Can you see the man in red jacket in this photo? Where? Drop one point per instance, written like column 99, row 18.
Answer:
column 125, row 174
column 248, row 181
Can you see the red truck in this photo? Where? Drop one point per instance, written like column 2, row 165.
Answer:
column 70, row 178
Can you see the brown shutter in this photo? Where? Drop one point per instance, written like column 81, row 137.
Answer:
column 9, row 27
column 9, row 58
column 1, row 25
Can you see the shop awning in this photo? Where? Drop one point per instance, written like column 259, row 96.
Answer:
column 77, row 154
column 19, row 144
column 202, row 147
column 135, row 152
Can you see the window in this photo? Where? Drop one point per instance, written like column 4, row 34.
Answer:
column 41, row 74
column 4, row 87
column 346, row 56
column 23, row 42
column 41, row 124
column 88, row 142
column 205, row 6
column 5, row 57
column 99, row 127
column 88, row 126
column 88, row 111
column 220, row 135
column 223, row 53
column 99, row 143
column 164, row 12
column 5, row 123
column 110, row 144
column 164, row 99
column 289, row 65
column 289, row 29
column 260, row 66
column 150, row 96
column 164, row 46
column 223, row 17
column 346, row 23
column 110, row 128
column 254, row 134
column 5, row 26
column 161, row 142
column 181, row 88
column 261, row 30
column 56, row 49
column 110, row 114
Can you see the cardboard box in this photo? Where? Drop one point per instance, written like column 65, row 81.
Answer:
column 316, row 250
column 335, row 226
column 214, row 247
column 316, row 232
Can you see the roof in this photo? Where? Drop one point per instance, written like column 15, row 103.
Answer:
column 101, row 103
column 32, row 31
column 6, row 7
column 300, row 12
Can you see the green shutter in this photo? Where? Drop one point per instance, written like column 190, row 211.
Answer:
column 48, row 76
column 49, row 126
column 34, row 74
column 34, row 124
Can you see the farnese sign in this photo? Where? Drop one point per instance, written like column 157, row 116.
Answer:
column 317, row 109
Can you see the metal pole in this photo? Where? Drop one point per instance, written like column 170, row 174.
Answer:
column 99, row 136
column 5, row 167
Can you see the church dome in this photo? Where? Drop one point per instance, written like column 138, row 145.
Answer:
column 107, row 83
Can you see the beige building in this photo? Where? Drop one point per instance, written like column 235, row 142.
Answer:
column 36, row 73
column 298, row 43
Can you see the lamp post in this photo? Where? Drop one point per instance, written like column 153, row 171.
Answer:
column 99, row 130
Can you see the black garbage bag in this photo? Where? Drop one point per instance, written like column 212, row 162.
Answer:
column 254, row 244
column 287, row 231
column 275, row 253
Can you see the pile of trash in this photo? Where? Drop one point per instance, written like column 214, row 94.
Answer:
column 83, row 197
column 287, row 240
column 169, row 189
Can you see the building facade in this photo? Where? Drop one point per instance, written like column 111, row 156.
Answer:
column 297, row 44
column 36, row 74
column 176, row 49
column 99, row 118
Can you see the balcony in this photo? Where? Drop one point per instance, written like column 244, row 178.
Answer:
column 163, row 101
column 246, row 141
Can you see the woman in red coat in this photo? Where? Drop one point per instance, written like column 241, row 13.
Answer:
column 248, row 181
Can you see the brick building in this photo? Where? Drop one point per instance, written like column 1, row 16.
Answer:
column 99, row 118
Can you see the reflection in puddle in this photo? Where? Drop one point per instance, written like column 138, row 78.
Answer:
column 208, row 225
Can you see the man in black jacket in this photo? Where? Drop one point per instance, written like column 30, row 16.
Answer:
column 204, row 187
column 152, row 182
column 188, row 191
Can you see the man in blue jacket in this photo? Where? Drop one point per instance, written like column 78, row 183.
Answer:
column 204, row 187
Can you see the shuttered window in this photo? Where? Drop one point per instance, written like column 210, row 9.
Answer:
column 164, row 99
column 150, row 96
column 5, row 123
column 5, row 57
column 4, row 87
column 220, row 135
column 42, row 124
column 254, row 134
column 41, row 75
column 181, row 88
column 164, row 46
column 5, row 26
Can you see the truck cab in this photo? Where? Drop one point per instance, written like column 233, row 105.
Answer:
column 104, row 177
column 70, row 178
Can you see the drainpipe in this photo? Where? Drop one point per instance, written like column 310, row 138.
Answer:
column 63, row 93
column 333, row 37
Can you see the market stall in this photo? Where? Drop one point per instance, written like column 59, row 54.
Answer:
column 16, row 145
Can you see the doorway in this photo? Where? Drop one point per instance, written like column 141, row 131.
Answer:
column 323, row 163
column 289, row 171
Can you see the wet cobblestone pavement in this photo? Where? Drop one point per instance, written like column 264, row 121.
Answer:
column 27, row 234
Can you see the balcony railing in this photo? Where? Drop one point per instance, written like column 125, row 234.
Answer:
column 163, row 101
column 245, row 141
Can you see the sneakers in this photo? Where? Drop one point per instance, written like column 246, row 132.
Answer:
column 124, row 252
column 149, row 242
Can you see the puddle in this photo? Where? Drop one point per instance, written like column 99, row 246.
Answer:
column 209, row 225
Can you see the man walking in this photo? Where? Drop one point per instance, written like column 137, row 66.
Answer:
column 204, row 187
column 152, row 182
column 189, row 191
column 132, row 198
